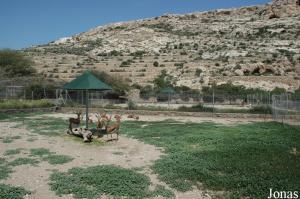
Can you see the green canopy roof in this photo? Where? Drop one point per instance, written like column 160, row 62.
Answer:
column 86, row 81
column 167, row 90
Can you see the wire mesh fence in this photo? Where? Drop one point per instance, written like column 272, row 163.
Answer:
column 283, row 107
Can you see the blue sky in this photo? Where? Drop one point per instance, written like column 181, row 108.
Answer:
column 29, row 22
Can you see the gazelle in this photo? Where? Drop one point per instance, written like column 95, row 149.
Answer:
column 75, row 121
column 115, row 127
column 103, row 120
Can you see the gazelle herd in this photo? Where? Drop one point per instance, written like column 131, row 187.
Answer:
column 102, row 122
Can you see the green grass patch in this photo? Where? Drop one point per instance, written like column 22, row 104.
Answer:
column 7, row 140
column 58, row 159
column 31, row 139
column 50, row 157
column 10, row 139
column 5, row 171
column 162, row 191
column 11, row 192
column 23, row 104
column 12, row 152
column 245, row 160
column 23, row 161
column 92, row 182
column 118, row 153
column 95, row 181
column 2, row 161
column 40, row 152
column 48, row 126
column 3, row 116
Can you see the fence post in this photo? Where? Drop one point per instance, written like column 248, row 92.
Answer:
column 287, row 100
column 213, row 103
column 169, row 96
column 44, row 93
column 81, row 97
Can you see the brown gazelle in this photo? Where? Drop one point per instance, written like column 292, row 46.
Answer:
column 75, row 121
column 115, row 127
column 103, row 120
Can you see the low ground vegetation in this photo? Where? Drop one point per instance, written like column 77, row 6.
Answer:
column 11, row 192
column 244, row 160
column 36, row 156
column 25, row 104
column 241, row 161
column 10, row 139
column 92, row 182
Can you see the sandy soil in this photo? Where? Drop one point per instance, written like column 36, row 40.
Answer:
column 151, row 118
column 127, row 153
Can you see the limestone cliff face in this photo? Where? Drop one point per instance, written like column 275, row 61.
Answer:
column 256, row 46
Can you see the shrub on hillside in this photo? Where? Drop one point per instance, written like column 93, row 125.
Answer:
column 15, row 64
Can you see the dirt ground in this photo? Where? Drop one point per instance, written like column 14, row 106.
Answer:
column 156, row 118
column 127, row 153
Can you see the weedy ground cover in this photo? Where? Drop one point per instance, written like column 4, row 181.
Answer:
column 12, row 151
column 5, row 171
column 92, row 182
column 22, row 161
column 23, row 104
column 245, row 160
column 11, row 192
column 10, row 139
column 50, row 157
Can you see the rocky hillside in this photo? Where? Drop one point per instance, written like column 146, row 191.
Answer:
column 256, row 46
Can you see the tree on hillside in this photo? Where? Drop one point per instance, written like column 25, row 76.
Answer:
column 163, row 80
column 15, row 64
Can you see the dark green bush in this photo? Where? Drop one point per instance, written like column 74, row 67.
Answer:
column 131, row 105
column 196, row 108
column 263, row 109
column 37, row 91
column 15, row 64
column 198, row 72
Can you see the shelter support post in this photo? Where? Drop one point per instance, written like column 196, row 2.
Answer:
column 87, row 109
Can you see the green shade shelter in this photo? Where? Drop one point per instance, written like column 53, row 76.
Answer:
column 86, row 82
column 169, row 91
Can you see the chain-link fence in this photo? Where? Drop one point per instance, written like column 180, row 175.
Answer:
column 285, row 109
column 21, row 92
